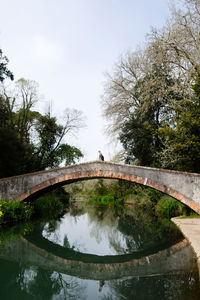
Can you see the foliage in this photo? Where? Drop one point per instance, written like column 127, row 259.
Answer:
column 158, row 204
column 47, row 206
column 106, row 200
column 51, row 204
column 59, row 193
column 50, row 152
column 8, row 233
column 154, row 195
column 69, row 153
column 117, row 192
column 151, row 99
column 182, row 143
column 168, row 207
column 101, row 187
column 14, row 211
column 106, row 194
column 14, row 155
column 30, row 140
column 4, row 72
column 136, row 137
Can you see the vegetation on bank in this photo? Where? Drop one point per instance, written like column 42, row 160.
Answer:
column 15, row 211
column 49, row 205
column 106, row 200
column 103, row 192
column 119, row 192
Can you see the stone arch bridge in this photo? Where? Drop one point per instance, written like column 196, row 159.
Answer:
column 185, row 187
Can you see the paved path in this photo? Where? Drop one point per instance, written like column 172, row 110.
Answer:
column 190, row 227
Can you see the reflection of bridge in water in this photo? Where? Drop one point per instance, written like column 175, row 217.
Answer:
column 178, row 258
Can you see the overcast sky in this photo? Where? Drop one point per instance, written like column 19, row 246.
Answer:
column 67, row 46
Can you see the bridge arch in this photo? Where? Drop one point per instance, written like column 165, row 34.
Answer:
column 185, row 187
column 61, row 180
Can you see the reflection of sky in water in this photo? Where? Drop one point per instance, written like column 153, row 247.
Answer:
column 69, row 287
column 87, row 236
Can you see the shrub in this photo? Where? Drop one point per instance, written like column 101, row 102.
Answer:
column 60, row 194
column 47, row 206
column 154, row 195
column 106, row 200
column 168, row 207
column 14, row 211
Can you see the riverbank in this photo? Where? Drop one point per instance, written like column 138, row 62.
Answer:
column 111, row 191
column 190, row 228
column 50, row 205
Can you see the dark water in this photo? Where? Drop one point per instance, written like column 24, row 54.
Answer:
column 97, row 253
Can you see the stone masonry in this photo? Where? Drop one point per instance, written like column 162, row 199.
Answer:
column 183, row 186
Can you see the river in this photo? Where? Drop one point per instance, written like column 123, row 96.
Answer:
column 97, row 252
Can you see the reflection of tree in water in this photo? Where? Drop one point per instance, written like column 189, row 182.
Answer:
column 53, row 233
column 66, row 243
column 76, row 210
column 171, row 287
column 20, row 282
column 50, row 285
column 129, row 231
column 145, row 233
column 125, row 230
column 104, row 221
column 51, row 227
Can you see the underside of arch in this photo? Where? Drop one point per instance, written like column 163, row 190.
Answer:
column 92, row 174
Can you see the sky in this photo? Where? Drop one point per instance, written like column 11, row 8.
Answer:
column 67, row 46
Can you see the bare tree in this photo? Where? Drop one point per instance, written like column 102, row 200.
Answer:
column 73, row 120
column 180, row 38
column 120, row 98
column 159, row 76
column 143, row 83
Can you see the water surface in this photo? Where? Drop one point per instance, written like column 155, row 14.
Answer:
column 94, row 252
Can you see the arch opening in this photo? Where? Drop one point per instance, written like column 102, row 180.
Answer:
column 62, row 180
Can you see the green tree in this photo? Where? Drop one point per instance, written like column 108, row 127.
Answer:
column 136, row 137
column 32, row 141
column 16, row 124
column 50, row 151
column 156, row 97
column 4, row 72
column 69, row 154
column 25, row 118
column 143, row 97
column 14, row 155
column 182, row 143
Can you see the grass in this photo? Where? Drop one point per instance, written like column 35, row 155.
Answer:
column 193, row 216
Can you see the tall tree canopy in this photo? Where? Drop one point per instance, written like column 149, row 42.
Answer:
column 151, row 94
column 31, row 141
column 4, row 71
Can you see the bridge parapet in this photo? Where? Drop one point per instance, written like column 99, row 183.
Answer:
column 183, row 186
